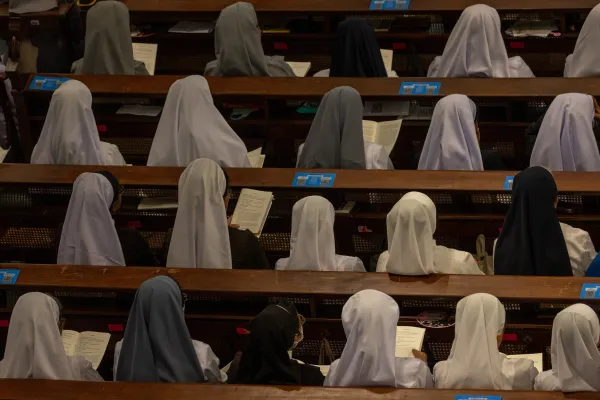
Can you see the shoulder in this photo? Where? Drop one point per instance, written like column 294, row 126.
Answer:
column 211, row 67
column 412, row 373
column 546, row 381
column 76, row 66
column 322, row 74
column 348, row 263
column 433, row 67
column 281, row 264
column 519, row 68
column 382, row 262
column 458, row 261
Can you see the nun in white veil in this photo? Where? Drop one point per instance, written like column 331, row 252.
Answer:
column 191, row 127
column 566, row 140
column 200, row 236
column 312, row 245
column 585, row 60
column 575, row 355
column 89, row 236
column 34, row 348
column 476, row 49
column 70, row 134
column 452, row 142
column 475, row 361
column 411, row 248
column 369, row 318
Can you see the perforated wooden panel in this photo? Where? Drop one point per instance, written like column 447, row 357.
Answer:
column 155, row 239
column 131, row 146
column 311, row 348
column 275, row 241
column 429, row 304
column 367, row 243
column 15, row 200
column 29, row 238
column 440, row 350
column 295, row 300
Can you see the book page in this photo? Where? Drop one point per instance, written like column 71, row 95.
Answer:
column 256, row 159
column 138, row 109
column 324, row 369
column 192, row 27
column 300, row 68
column 407, row 339
column 92, row 346
column 388, row 134
column 537, row 358
column 251, row 209
column 69, row 339
column 158, row 203
column 370, row 131
column 146, row 52
column 388, row 59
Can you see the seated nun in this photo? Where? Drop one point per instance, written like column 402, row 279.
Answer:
column 452, row 141
column 266, row 358
column 191, row 127
column 532, row 240
column 89, row 235
column 34, row 348
column 574, row 352
column 157, row 346
column 108, row 48
column 70, row 134
column 476, row 49
column 475, row 361
column 585, row 60
column 238, row 46
column 356, row 53
column 201, row 236
column 411, row 248
column 312, row 244
column 369, row 318
column 566, row 139
column 335, row 139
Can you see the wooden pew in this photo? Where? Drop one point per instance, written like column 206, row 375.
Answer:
column 221, row 302
column 417, row 34
column 506, row 108
column 34, row 199
column 65, row 390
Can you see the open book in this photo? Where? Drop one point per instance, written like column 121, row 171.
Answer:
column 252, row 209
column 537, row 358
column 300, row 68
column 407, row 339
column 146, row 52
column 90, row 345
column 256, row 159
column 388, row 59
column 383, row 133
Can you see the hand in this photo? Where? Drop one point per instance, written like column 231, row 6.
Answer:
column 420, row 355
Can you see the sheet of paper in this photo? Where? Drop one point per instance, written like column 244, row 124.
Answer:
column 192, row 27
column 255, row 152
column 251, row 210
column 300, row 68
column 370, row 131
column 324, row 369
column 3, row 154
column 257, row 161
column 387, row 108
column 537, row 358
column 92, row 346
column 407, row 339
column 138, row 109
column 388, row 59
column 158, row 203
column 387, row 134
column 69, row 339
column 146, row 52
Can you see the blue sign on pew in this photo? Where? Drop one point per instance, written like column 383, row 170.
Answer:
column 8, row 276
column 420, row 88
column 311, row 179
column 478, row 397
column 389, row 4
column 590, row 291
column 508, row 183
column 46, row 83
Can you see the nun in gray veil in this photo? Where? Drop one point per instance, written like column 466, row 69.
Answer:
column 108, row 48
column 157, row 346
column 238, row 47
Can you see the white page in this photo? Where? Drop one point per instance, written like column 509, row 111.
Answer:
column 138, row 109
column 387, row 134
column 158, row 203
column 92, row 346
column 324, row 369
column 407, row 339
column 192, row 27
column 388, row 59
column 69, row 339
column 257, row 161
column 387, row 108
column 251, row 210
column 300, row 68
column 255, row 152
column 370, row 131
column 537, row 358
column 146, row 52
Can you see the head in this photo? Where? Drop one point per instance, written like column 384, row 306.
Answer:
column 117, row 190
column 535, row 186
column 72, row 97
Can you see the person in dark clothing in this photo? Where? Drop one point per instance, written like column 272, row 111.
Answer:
column 531, row 241
column 265, row 359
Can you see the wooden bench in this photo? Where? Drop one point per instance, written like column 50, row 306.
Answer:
column 65, row 390
column 506, row 108
column 222, row 302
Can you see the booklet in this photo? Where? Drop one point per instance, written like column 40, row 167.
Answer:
column 193, row 27
column 157, row 203
column 146, row 52
column 139, row 109
column 300, row 68
column 388, row 59
column 252, row 209
column 256, row 159
column 383, row 133
column 90, row 345
column 407, row 339
column 537, row 358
